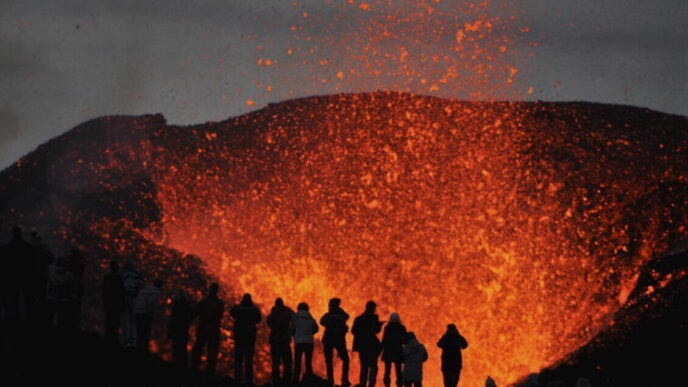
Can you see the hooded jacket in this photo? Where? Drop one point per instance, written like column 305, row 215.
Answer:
column 415, row 355
column 279, row 321
column 303, row 327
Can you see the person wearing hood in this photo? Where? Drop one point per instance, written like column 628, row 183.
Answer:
column 367, row 344
column 246, row 316
column 279, row 322
column 452, row 343
column 334, row 337
column 210, row 311
column 393, row 339
column 303, row 327
column 415, row 355
column 146, row 307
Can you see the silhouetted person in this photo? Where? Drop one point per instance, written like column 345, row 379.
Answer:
column 14, row 256
column 76, row 263
column 279, row 322
column 113, row 302
column 246, row 316
column 303, row 327
column 452, row 343
column 133, row 282
column 210, row 311
column 178, row 331
column 61, row 294
column 393, row 339
column 334, row 337
column 366, row 343
column 37, row 279
column 415, row 355
column 146, row 307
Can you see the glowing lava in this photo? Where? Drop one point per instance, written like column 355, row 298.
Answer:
column 520, row 223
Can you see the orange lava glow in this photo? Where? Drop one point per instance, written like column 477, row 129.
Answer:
column 443, row 211
column 458, row 49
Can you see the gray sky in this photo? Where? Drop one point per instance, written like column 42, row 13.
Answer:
column 63, row 62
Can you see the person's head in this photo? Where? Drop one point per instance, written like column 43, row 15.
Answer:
column 334, row 303
column 213, row 289
column 411, row 336
column 489, row 382
column 370, row 306
column 17, row 232
column 394, row 318
column 158, row 283
column 114, row 267
column 452, row 328
column 246, row 300
column 279, row 301
column 302, row 306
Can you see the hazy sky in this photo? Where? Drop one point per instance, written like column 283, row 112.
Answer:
column 64, row 62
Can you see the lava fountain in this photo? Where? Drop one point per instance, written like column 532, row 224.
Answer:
column 524, row 224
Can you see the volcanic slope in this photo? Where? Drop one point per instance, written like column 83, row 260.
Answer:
column 526, row 224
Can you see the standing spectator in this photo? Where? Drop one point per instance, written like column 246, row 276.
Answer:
column 14, row 255
column 452, row 343
column 113, row 302
column 61, row 293
column 393, row 339
column 303, row 327
column 334, row 337
column 415, row 355
column 146, row 306
column 246, row 316
column 76, row 263
column 366, row 343
column 133, row 282
column 279, row 322
column 178, row 331
column 210, row 311
column 37, row 279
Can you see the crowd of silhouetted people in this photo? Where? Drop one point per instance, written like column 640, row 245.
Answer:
column 41, row 288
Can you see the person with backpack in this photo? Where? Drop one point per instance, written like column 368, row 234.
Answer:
column 279, row 322
column 303, row 327
column 133, row 282
column 367, row 344
column 246, row 316
column 334, row 337
column 452, row 343
column 393, row 339
column 210, row 311
column 415, row 355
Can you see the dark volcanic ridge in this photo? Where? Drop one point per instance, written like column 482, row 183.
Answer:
column 611, row 180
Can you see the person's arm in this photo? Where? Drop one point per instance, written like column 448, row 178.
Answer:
column 463, row 343
column 316, row 328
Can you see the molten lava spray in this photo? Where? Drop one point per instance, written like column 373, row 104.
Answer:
column 514, row 221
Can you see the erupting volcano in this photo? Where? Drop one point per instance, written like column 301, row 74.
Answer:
column 526, row 224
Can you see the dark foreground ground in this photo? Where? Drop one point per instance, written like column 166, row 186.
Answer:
column 648, row 349
column 58, row 358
